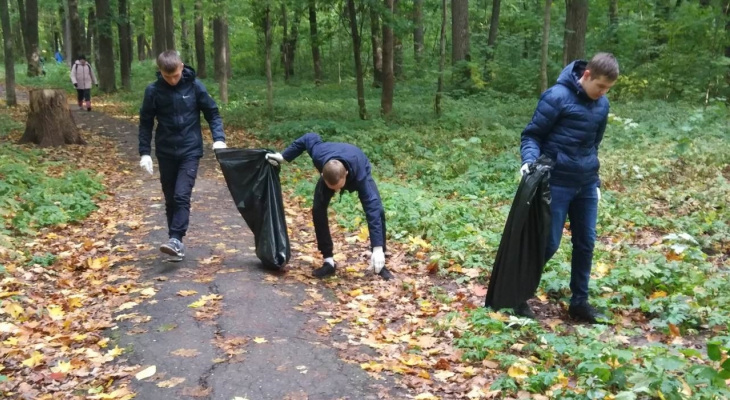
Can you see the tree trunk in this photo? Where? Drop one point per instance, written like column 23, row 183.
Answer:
column 95, row 42
column 77, row 39
column 314, row 38
column 23, row 28
column 105, row 40
column 199, row 40
column 494, row 24
column 613, row 22
column 267, row 46
column 726, row 12
column 289, row 40
column 442, row 59
column 89, row 34
column 50, row 122
column 284, row 41
column 377, row 49
column 397, row 45
column 544, row 50
column 358, row 60
column 459, row 31
column 184, row 34
column 219, row 49
column 30, row 32
column 576, row 20
column 125, row 45
column 159, row 41
column 8, row 55
column 418, row 31
column 169, row 26
column 386, row 100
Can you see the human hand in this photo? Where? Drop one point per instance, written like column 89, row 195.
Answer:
column 377, row 260
column 525, row 169
column 274, row 158
column 219, row 145
column 76, row 85
column 146, row 163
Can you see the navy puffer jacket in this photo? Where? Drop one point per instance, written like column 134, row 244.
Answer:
column 568, row 127
column 177, row 109
column 358, row 178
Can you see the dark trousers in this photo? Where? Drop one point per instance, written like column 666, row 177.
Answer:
column 580, row 205
column 178, row 178
column 322, row 197
column 83, row 95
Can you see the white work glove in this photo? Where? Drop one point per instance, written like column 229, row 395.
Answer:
column 598, row 192
column 146, row 163
column 219, row 145
column 525, row 169
column 377, row 261
column 275, row 158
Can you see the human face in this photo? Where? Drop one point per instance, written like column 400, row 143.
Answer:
column 595, row 87
column 172, row 78
column 337, row 186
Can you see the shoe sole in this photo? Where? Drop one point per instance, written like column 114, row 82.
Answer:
column 170, row 251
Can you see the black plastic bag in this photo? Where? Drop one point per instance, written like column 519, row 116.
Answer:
column 254, row 185
column 521, row 254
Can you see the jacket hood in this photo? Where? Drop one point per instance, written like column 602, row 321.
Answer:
column 570, row 76
column 188, row 75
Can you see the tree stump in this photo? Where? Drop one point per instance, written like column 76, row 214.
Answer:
column 50, row 122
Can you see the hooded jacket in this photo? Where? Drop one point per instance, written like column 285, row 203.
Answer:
column 82, row 75
column 358, row 176
column 177, row 109
column 568, row 127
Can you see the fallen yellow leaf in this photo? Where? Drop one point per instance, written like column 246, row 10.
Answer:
column 33, row 360
column 172, row 382
column 260, row 340
column 146, row 373
column 62, row 367
column 185, row 293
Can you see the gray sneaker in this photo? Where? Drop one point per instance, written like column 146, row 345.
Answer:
column 173, row 247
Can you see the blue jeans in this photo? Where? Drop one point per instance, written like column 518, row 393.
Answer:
column 580, row 204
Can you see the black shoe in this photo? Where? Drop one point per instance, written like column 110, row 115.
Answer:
column 584, row 312
column 524, row 310
column 385, row 274
column 324, row 271
column 173, row 247
column 88, row 109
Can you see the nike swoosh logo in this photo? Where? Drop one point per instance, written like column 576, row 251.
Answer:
column 185, row 97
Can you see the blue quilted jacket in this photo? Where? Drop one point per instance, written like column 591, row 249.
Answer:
column 568, row 127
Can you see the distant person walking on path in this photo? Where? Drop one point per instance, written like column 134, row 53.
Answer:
column 82, row 76
column 342, row 166
column 176, row 99
column 58, row 57
column 568, row 127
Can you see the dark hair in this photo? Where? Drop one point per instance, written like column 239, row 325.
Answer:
column 333, row 172
column 82, row 57
column 603, row 64
column 169, row 61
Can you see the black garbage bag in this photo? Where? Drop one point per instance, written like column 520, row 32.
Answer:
column 256, row 190
column 521, row 255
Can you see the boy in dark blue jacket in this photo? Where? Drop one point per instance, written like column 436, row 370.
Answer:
column 568, row 127
column 342, row 166
column 176, row 100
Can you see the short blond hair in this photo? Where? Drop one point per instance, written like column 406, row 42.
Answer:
column 169, row 61
column 333, row 172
